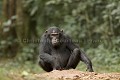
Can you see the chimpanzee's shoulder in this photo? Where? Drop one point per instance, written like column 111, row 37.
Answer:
column 67, row 36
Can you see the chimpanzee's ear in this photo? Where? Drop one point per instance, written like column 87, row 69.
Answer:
column 46, row 31
column 62, row 30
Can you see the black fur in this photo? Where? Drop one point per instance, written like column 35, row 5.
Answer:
column 65, row 56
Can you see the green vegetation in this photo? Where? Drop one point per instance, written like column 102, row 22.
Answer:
column 94, row 23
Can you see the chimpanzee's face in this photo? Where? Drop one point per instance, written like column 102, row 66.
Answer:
column 54, row 35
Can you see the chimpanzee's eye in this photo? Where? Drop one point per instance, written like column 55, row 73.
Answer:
column 49, row 35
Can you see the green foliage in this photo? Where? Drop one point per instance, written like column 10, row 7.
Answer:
column 27, row 53
column 0, row 8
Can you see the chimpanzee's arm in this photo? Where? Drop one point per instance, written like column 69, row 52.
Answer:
column 44, row 50
column 47, row 58
column 86, row 60
column 45, row 54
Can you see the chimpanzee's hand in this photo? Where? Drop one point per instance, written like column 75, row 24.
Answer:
column 89, row 69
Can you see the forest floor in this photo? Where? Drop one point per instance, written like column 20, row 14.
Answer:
column 66, row 75
column 12, row 70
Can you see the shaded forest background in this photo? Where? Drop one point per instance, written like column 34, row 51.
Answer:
column 94, row 23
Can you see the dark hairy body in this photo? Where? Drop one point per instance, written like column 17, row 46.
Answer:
column 58, row 52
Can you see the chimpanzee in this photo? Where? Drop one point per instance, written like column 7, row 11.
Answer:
column 59, row 52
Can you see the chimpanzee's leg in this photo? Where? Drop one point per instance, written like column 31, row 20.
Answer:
column 74, row 59
column 86, row 60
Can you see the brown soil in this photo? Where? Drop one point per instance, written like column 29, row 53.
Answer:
column 77, row 75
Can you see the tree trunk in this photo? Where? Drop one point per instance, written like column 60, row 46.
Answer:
column 26, row 27
column 8, row 28
column 20, row 27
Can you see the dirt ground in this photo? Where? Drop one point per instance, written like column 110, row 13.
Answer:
column 77, row 75
column 67, row 75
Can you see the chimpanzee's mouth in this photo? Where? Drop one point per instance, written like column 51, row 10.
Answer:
column 55, row 45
